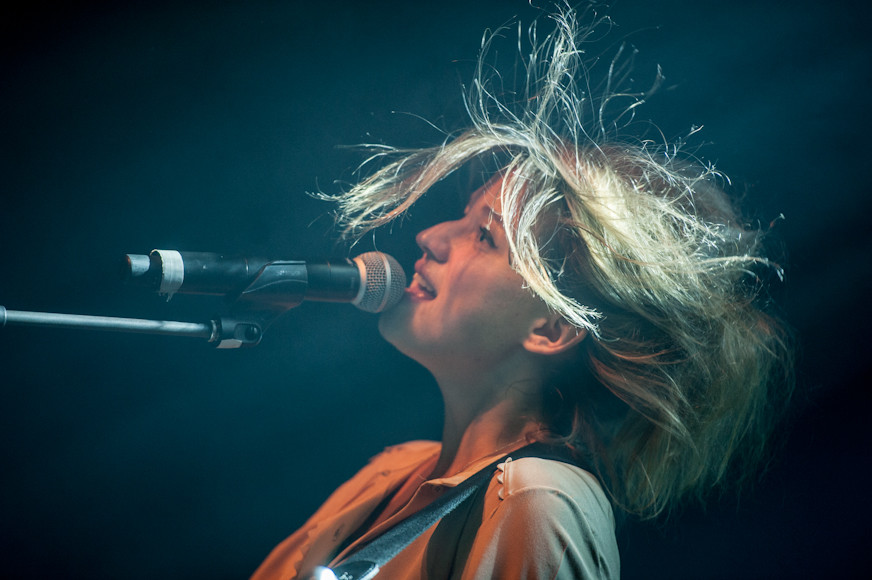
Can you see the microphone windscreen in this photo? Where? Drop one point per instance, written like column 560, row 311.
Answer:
column 383, row 282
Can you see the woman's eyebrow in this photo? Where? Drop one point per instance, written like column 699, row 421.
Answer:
column 492, row 217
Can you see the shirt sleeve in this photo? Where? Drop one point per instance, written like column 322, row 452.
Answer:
column 544, row 532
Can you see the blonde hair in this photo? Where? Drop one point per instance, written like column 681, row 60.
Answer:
column 632, row 241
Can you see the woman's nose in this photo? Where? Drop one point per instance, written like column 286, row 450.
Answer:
column 434, row 241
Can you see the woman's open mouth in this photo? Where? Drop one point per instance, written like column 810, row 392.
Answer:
column 420, row 288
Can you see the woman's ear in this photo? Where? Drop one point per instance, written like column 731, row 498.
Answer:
column 553, row 335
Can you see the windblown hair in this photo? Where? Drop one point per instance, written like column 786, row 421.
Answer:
column 631, row 240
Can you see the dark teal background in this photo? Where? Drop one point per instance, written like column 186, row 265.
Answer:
column 200, row 126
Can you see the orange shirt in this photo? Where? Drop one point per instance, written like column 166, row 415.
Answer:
column 538, row 518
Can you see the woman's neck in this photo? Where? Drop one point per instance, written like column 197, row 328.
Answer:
column 475, row 427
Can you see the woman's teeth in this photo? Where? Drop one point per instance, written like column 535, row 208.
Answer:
column 422, row 284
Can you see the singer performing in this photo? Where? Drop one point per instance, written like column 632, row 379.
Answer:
column 594, row 329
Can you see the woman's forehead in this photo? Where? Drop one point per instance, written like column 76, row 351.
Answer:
column 487, row 196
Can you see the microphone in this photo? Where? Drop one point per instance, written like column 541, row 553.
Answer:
column 372, row 281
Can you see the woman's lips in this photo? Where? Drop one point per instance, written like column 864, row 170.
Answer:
column 420, row 289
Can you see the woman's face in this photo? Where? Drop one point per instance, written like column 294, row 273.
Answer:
column 465, row 307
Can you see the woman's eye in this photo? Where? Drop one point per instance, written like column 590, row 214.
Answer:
column 484, row 235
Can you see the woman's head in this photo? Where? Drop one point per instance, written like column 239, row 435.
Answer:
column 631, row 243
column 467, row 310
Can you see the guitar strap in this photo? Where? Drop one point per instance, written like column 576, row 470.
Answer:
column 366, row 562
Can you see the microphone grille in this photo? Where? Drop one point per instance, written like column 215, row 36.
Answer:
column 383, row 281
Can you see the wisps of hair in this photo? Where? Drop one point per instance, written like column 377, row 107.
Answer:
column 628, row 239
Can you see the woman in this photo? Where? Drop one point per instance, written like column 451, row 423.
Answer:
column 596, row 295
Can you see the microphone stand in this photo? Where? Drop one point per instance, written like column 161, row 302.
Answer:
column 278, row 287
column 86, row 322
column 225, row 331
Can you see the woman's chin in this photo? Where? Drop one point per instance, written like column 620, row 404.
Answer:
column 393, row 323
column 397, row 328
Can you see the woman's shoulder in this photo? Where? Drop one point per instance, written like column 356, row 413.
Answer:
column 535, row 471
column 561, row 522
column 547, row 481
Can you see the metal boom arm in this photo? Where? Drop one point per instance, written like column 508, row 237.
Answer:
column 24, row 318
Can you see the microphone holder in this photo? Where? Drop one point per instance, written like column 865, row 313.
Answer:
column 278, row 287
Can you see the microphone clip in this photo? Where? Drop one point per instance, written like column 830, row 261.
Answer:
column 278, row 287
